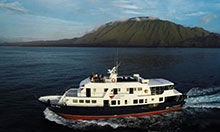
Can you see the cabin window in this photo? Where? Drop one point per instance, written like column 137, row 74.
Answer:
column 93, row 101
column 94, row 90
column 118, row 102
column 115, row 91
column 119, row 90
column 106, row 103
column 157, row 90
column 169, row 87
column 106, row 89
column 127, row 89
column 81, row 101
column 134, row 89
column 161, row 99
column 141, row 101
column 75, row 101
column 126, row 102
column 71, row 93
column 113, row 102
column 135, row 101
column 87, row 101
column 152, row 99
column 153, row 91
column 139, row 89
column 145, row 100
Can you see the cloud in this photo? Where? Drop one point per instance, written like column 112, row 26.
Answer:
column 195, row 13
column 208, row 18
column 127, row 6
column 122, row 1
column 14, row 6
column 132, row 12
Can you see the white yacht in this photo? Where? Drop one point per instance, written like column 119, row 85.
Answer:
column 115, row 96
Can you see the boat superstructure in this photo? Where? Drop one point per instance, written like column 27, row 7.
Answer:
column 114, row 96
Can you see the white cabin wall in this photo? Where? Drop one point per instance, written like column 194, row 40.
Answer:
column 99, row 88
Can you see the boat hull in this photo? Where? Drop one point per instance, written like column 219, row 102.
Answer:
column 77, row 117
column 90, row 113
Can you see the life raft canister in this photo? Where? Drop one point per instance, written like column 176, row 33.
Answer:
column 145, row 90
column 113, row 80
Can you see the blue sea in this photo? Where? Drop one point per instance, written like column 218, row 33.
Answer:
column 29, row 72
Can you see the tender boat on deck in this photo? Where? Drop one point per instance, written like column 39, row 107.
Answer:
column 115, row 96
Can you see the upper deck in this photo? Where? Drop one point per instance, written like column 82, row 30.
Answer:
column 113, row 80
column 98, row 78
column 126, row 80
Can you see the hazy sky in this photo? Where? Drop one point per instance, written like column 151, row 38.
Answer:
column 27, row 20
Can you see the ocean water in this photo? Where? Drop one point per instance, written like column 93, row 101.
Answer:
column 29, row 72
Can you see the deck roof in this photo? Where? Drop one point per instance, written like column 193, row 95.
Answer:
column 159, row 81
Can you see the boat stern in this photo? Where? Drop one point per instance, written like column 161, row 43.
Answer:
column 181, row 99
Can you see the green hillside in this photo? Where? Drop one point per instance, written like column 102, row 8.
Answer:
column 142, row 32
column 138, row 32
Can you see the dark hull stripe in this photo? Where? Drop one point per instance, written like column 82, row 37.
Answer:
column 77, row 117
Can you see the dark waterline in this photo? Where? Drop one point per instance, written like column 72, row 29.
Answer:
column 29, row 72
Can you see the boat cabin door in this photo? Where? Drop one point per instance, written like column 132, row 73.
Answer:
column 131, row 90
column 106, row 103
column 88, row 92
column 115, row 91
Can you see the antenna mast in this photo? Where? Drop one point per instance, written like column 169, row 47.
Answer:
column 117, row 63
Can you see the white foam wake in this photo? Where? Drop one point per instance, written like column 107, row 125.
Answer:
column 203, row 98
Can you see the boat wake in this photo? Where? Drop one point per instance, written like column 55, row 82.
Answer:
column 203, row 98
column 199, row 100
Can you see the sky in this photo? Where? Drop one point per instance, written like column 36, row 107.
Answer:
column 33, row 20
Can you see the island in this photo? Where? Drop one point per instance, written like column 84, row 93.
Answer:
column 137, row 32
